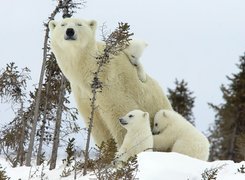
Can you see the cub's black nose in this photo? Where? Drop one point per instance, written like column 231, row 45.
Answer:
column 70, row 32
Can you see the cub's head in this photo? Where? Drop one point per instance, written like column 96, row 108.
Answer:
column 135, row 119
column 135, row 49
column 161, row 121
column 72, row 31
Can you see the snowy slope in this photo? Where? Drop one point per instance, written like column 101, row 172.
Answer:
column 152, row 166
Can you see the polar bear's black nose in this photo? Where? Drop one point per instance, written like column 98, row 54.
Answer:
column 70, row 32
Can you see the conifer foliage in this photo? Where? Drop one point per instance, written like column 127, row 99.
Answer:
column 182, row 100
column 70, row 151
column 13, row 83
column 228, row 132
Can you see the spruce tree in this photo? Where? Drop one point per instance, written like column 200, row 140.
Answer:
column 230, row 118
column 182, row 100
column 13, row 136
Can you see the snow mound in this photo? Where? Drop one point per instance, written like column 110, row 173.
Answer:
column 174, row 166
column 152, row 166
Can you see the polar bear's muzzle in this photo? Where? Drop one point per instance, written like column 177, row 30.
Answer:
column 155, row 132
column 123, row 122
column 70, row 34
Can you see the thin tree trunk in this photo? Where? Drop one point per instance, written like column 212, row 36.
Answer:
column 38, row 97
column 40, row 146
column 91, row 120
column 57, row 125
column 36, row 111
column 21, row 153
column 231, row 150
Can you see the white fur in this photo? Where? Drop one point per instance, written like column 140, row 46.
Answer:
column 122, row 89
column 134, row 51
column 176, row 134
column 138, row 137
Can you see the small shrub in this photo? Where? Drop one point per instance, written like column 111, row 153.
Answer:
column 102, row 166
column 70, row 159
column 3, row 175
column 241, row 169
column 211, row 174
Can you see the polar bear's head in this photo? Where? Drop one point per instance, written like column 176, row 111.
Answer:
column 161, row 120
column 135, row 119
column 71, row 32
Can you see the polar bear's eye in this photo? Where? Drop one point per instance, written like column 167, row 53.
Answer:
column 63, row 24
column 130, row 116
column 156, row 124
column 79, row 24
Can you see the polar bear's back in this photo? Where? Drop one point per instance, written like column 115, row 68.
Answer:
column 122, row 75
column 189, row 140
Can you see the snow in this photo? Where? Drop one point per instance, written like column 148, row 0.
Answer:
column 152, row 166
column 173, row 166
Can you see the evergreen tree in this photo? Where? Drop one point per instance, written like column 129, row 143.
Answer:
column 229, row 127
column 182, row 100
column 13, row 89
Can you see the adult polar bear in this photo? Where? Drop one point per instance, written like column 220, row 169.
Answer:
column 75, row 47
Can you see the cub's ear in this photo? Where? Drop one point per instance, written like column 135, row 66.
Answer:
column 52, row 24
column 164, row 114
column 146, row 115
column 93, row 24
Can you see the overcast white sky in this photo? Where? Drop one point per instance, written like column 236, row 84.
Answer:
column 199, row 41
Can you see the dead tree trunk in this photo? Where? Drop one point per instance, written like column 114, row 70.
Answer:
column 38, row 97
column 57, row 124
column 40, row 146
column 36, row 111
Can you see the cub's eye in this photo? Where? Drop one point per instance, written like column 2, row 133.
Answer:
column 79, row 24
column 63, row 24
column 156, row 124
column 130, row 116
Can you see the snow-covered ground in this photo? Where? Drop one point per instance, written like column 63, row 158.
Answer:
column 152, row 166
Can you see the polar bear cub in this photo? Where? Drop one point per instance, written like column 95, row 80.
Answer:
column 134, row 51
column 173, row 132
column 138, row 137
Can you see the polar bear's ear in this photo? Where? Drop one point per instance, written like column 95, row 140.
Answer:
column 52, row 24
column 145, row 115
column 93, row 24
